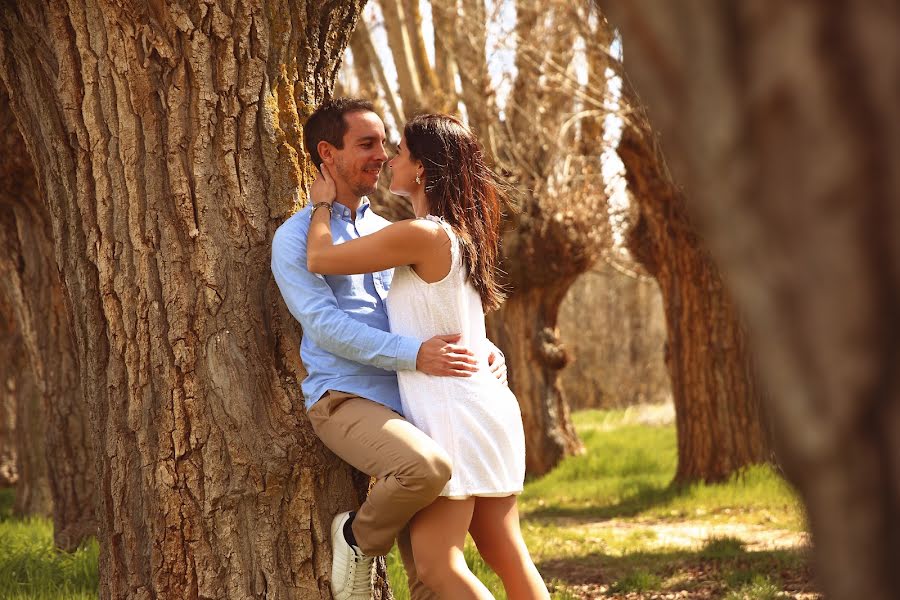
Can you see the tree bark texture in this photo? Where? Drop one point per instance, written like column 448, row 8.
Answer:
column 781, row 121
column 167, row 141
column 718, row 417
column 43, row 315
column 534, row 356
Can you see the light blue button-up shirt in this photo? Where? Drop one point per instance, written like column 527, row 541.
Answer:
column 347, row 345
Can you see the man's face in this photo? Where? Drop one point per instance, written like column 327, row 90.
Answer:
column 358, row 165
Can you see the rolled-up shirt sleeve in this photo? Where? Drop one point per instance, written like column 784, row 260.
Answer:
column 311, row 301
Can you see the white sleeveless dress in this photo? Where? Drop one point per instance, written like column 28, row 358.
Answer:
column 475, row 419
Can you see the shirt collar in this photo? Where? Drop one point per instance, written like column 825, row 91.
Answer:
column 339, row 210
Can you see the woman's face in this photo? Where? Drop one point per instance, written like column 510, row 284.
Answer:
column 403, row 171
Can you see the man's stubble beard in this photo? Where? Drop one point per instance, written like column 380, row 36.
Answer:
column 359, row 189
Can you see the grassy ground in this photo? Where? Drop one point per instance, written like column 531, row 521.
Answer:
column 31, row 569
column 608, row 524
column 602, row 525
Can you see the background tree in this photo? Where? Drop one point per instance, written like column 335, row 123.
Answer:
column 8, row 474
column 32, row 486
column 543, row 141
column 721, row 428
column 21, row 380
column 787, row 147
column 616, row 325
column 166, row 138
column 55, row 432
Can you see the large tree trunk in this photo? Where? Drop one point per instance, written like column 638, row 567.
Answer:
column 717, row 398
column 534, row 357
column 780, row 119
column 48, row 349
column 167, row 141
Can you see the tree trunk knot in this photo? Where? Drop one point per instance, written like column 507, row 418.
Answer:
column 551, row 352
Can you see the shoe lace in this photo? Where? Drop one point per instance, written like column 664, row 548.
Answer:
column 360, row 575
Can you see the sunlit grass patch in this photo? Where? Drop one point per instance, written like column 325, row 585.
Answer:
column 627, row 470
column 759, row 588
column 32, row 568
column 637, row 581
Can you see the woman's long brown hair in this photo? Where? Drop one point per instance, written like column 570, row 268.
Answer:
column 462, row 190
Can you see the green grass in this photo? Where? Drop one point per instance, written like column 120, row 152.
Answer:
column 594, row 527
column 624, row 476
column 759, row 588
column 626, row 472
column 31, row 568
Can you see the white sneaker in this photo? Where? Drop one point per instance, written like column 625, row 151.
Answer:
column 352, row 572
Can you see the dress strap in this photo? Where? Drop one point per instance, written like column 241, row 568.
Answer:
column 454, row 240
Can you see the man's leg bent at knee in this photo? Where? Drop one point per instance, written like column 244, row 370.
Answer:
column 409, row 467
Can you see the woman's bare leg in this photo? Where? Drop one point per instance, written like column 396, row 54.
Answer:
column 438, row 533
column 495, row 529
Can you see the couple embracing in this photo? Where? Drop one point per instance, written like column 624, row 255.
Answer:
column 403, row 383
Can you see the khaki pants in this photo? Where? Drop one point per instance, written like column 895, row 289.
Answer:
column 409, row 467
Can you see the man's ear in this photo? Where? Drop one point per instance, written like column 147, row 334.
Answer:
column 326, row 152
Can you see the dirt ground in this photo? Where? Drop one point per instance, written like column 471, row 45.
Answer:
column 690, row 578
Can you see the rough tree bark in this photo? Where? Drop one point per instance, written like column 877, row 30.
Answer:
column 787, row 138
column 718, row 417
column 167, row 142
column 9, row 348
column 47, row 346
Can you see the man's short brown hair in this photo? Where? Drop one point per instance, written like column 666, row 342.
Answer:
column 327, row 123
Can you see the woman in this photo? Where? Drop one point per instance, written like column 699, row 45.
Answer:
column 445, row 279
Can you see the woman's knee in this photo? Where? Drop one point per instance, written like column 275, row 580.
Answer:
column 436, row 572
column 502, row 551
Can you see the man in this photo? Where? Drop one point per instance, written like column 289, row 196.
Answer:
column 352, row 396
